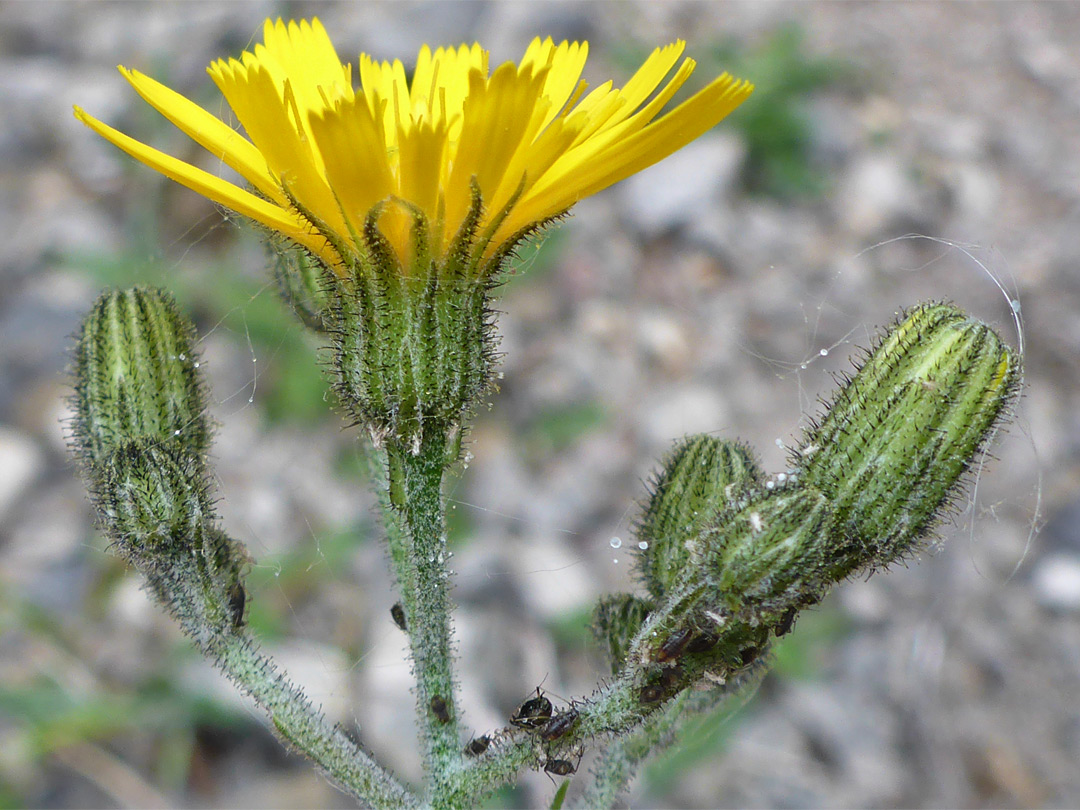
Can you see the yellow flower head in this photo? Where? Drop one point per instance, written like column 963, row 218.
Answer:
column 322, row 156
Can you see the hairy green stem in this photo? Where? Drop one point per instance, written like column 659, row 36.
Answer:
column 621, row 759
column 419, row 555
column 294, row 717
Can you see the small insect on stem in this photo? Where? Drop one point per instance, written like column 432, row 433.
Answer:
column 748, row 655
column 477, row 745
column 787, row 621
column 703, row 642
column 558, row 726
column 237, row 601
column 674, row 646
column 439, row 709
column 397, row 613
column 562, row 767
column 662, row 687
column 533, row 713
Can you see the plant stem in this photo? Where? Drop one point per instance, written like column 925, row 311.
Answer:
column 418, row 553
column 296, row 720
column 293, row 716
column 622, row 758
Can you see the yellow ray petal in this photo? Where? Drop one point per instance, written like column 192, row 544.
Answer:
column 567, row 62
column 214, row 188
column 422, row 167
column 216, row 137
column 652, row 71
column 562, row 187
column 303, row 53
column 351, row 140
column 271, row 126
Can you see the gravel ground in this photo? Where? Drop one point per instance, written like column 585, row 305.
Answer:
column 676, row 302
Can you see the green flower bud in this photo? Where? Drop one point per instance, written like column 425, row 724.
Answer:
column 616, row 620
column 155, row 505
column 304, row 284
column 413, row 350
column 901, row 433
column 703, row 477
column 768, row 555
column 153, row 497
column 136, row 376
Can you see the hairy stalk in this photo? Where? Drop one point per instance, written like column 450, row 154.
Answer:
column 418, row 554
column 294, row 718
column 620, row 760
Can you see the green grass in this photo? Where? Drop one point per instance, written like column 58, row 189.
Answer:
column 556, row 428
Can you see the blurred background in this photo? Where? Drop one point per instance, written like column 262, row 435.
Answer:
column 891, row 153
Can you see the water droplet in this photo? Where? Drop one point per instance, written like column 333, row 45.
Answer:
column 802, row 366
column 176, row 432
column 781, row 477
column 615, row 542
column 769, row 485
column 277, row 574
column 1015, row 304
column 615, row 560
column 780, row 443
column 643, row 545
column 183, row 356
column 251, row 399
column 196, row 365
column 824, row 352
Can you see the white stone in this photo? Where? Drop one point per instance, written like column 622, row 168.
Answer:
column 1056, row 582
column 674, row 412
column 679, row 188
column 21, row 461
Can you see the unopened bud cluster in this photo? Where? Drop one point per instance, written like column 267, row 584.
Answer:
column 730, row 559
column 141, row 433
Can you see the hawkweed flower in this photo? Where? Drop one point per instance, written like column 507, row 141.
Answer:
column 417, row 182
column 529, row 135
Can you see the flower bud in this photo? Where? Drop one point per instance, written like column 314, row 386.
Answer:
column 413, row 349
column 304, row 284
column 703, row 476
column 136, row 376
column 155, row 505
column 616, row 620
column 767, row 556
column 901, row 433
column 153, row 497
